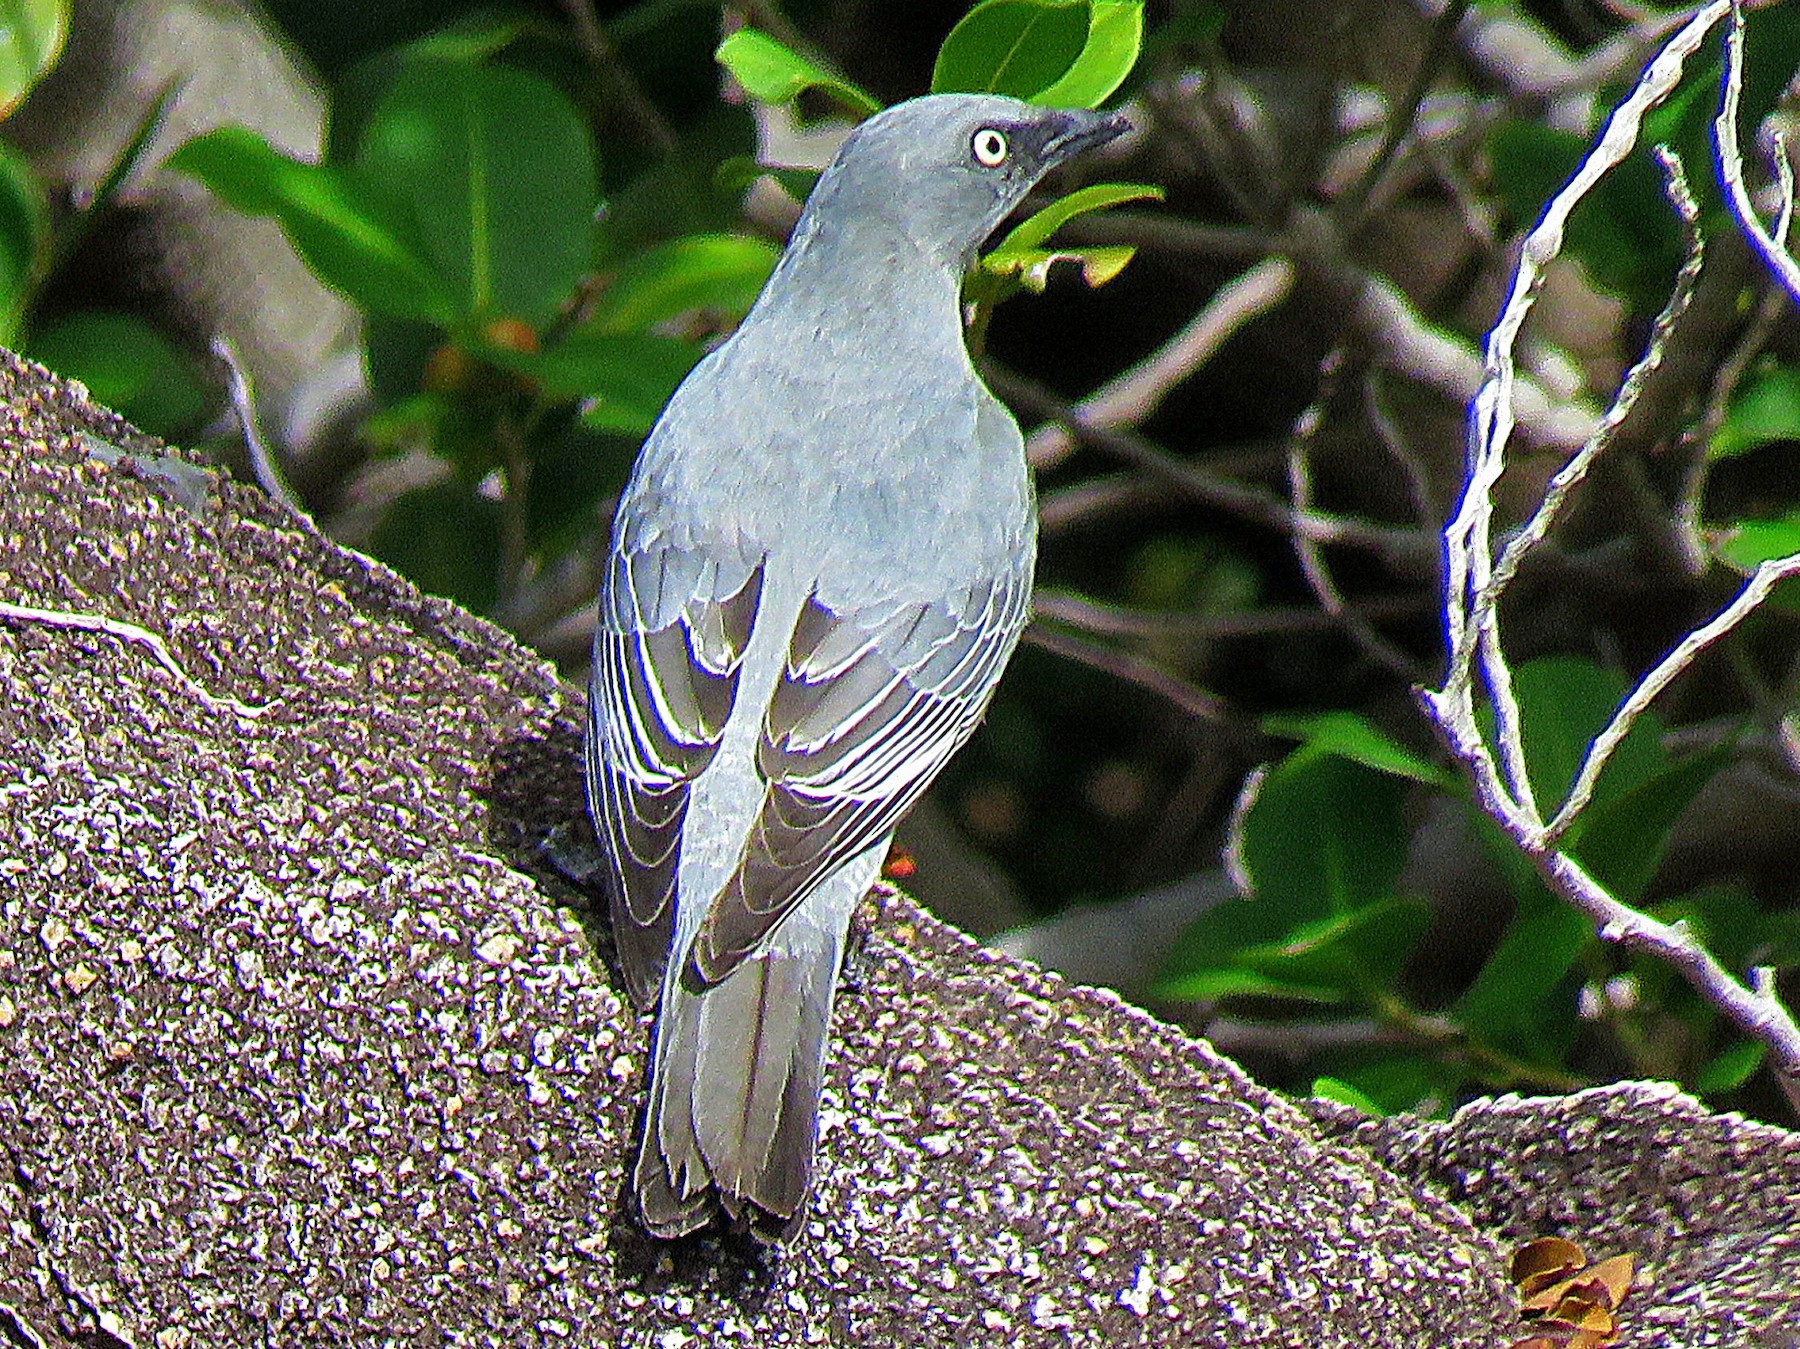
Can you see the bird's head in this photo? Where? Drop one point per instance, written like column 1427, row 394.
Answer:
column 947, row 168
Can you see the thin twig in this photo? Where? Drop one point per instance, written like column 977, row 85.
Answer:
column 1136, row 393
column 1556, row 495
column 1113, row 620
column 130, row 632
column 1350, row 207
column 1310, row 555
column 1132, row 669
column 262, row 462
column 1403, row 549
column 1472, row 617
column 1731, row 164
column 1473, row 583
column 1393, row 440
column 604, row 57
column 1764, row 579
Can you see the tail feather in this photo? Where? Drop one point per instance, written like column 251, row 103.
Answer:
column 734, row 1104
column 673, row 1185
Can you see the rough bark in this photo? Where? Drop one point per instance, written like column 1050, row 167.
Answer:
column 300, row 1043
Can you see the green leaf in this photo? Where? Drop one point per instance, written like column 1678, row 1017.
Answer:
column 1226, row 981
column 1353, row 737
column 1524, row 998
column 1323, row 844
column 31, row 39
column 739, row 171
column 773, row 73
column 1752, row 542
column 719, row 272
column 1016, row 47
column 1021, row 259
column 1731, row 1067
column 1402, row 1082
column 1035, row 231
column 1622, row 841
column 477, row 36
column 1030, row 267
column 507, row 218
column 1115, row 36
column 1325, row 836
column 1334, row 1089
column 625, row 378
column 1360, row 952
column 345, row 237
column 1564, row 702
column 1766, row 409
column 127, row 365
column 24, row 240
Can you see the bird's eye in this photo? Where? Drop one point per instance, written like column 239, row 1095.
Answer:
column 989, row 147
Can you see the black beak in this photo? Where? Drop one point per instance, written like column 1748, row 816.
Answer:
column 1077, row 131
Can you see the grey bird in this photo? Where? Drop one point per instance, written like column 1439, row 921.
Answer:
column 819, row 567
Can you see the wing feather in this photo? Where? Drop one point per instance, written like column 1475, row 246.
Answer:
column 675, row 621
column 870, row 705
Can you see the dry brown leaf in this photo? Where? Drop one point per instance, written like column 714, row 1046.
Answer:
column 1615, row 1272
column 1548, row 1260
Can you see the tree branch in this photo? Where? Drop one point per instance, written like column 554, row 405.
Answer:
column 1474, row 583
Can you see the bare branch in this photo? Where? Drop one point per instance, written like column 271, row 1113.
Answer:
column 1471, row 609
column 1351, row 207
column 1764, row 579
column 1474, row 583
column 1405, row 550
column 1132, row 669
column 1112, row 620
column 1137, row 392
column 1757, row 1011
column 1556, row 496
column 1731, row 166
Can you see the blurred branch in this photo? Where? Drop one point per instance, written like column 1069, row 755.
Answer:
column 1116, row 493
column 1110, row 620
column 1311, row 557
column 1473, row 584
column 262, row 461
column 1404, row 549
column 621, row 86
column 1729, row 374
column 1349, row 208
column 1376, row 311
column 1136, row 393
column 1393, row 440
column 1521, row 57
column 1132, row 669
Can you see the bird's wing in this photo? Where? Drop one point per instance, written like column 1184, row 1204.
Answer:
column 675, row 618
column 870, row 705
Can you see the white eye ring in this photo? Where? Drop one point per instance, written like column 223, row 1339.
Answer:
column 989, row 147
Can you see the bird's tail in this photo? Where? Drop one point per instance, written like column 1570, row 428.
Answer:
column 734, row 1092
